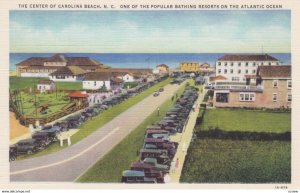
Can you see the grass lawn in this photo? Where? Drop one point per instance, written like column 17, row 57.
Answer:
column 109, row 169
column 226, row 161
column 27, row 82
column 55, row 102
column 246, row 120
column 98, row 121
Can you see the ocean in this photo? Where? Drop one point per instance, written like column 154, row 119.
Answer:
column 141, row 60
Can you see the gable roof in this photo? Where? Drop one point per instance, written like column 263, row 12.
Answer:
column 126, row 70
column 247, row 57
column 97, row 76
column 162, row 65
column 219, row 77
column 70, row 61
column 48, row 82
column 68, row 70
column 282, row 71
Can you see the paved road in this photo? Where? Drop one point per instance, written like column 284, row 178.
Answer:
column 69, row 163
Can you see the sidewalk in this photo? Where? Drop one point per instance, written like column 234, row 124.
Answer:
column 184, row 140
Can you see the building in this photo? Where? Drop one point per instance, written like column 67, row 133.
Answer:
column 243, row 67
column 206, row 68
column 43, row 66
column 45, row 85
column 97, row 81
column 273, row 89
column 80, row 98
column 128, row 78
column 161, row 69
column 68, row 74
column 189, row 67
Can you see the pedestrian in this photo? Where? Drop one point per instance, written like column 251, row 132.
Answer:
column 157, row 111
column 194, row 107
column 173, row 164
column 177, row 165
column 167, row 178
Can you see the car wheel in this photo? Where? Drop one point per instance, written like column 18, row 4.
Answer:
column 29, row 152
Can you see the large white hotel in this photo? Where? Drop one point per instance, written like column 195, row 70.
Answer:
column 242, row 67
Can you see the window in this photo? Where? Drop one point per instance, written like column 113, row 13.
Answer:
column 219, row 63
column 275, row 83
column 225, row 63
column 254, row 64
column 289, row 84
column 274, row 97
column 261, row 63
column 247, row 97
column 289, row 98
column 95, row 83
column 239, row 71
column 219, row 71
column 222, row 97
column 253, row 71
column 231, row 64
column 277, row 63
column 246, row 72
column 231, row 71
column 225, row 71
column 239, row 64
column 247, row 63
column 235, row 79
column 270, row 63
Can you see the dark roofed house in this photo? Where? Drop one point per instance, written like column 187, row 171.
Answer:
column 283, row 71
column 43, row 66
column 247, row 57
column 68, row 74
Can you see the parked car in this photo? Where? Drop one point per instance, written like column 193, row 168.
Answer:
column 161, row 89
column 149, row 170
column 42, row 138
column 156, row 93
column 153, row 162
column 27, row 146
column 159, row 134
column 160, row 154
column 132, row 176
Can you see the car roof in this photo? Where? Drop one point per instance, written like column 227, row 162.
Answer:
column 26, row 140
column 133, row 173
column 155, row 140
column 153, row 150
column 157, row 131
column 141, row 164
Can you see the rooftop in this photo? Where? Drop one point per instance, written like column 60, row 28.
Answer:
column 100, row 76
column 247, row 57
column 69, row 70
column 283, row 71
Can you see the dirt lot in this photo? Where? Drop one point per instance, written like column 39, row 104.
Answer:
column 16, row 129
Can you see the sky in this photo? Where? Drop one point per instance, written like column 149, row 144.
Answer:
column 150, row 31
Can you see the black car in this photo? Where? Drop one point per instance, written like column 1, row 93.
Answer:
column 42, row 138
column 27, row 146
column 13, row 153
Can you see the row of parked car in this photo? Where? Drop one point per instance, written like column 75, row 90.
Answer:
column 49, row 134
column 158, row 151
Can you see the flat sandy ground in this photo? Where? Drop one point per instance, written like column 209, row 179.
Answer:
column 16, row 129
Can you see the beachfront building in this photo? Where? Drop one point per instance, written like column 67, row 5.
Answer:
column 43, row 66
column 67, row 74
column 243, row 67
column 96, row 81
column 189, row 67
column 273, row 89
column 206, row 68
column 161, row 69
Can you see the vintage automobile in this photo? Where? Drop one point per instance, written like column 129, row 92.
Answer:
column 27, row 146
column 149, row 170
column 13, row 153
column 52, row 134
column 161, row 89
column 132, row 176
column 153, row 162
column 159, row 134
column 156, row 93
column 152, row 143
column 160, row 154
column 42, row 138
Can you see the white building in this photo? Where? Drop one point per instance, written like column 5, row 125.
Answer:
column 45, row 85
column 128, row 78
column 67, row 74
column 243, row 67
column 96, row 81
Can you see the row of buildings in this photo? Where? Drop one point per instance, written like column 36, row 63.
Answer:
column 93, row 74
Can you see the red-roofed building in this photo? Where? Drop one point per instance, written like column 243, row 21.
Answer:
column 79, row 97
